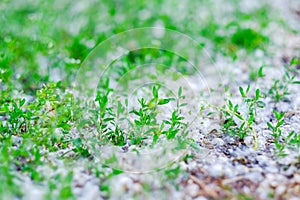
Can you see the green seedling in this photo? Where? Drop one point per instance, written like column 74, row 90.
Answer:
column 254, row 75
column 232, row 114
column 247, row 120
column 248, row 39
column 276, row 131
column 280, row 88
column 107, row 118
column 147, row 117
column 292, row 140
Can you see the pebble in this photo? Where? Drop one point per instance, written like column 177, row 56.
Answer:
column 137, row 188
column 271, row 169
column 200, row 198
column 79, row 179
column 249, row 141
column 261, row 142
column 90, row 192
column 192, row 190
column 290, row 171
column 280, row 190
column 297, row 178
column 217, row 142
column 216, row 170
column 262, row 160
column 254, row 176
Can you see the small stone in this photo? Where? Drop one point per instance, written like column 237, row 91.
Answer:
column 136, row 188
column 261, row 142
column 217, row 142
column 216, row 170
column 280, row 190
column 249, row 141
column 201, row 198
column 254, row 176
column 272, row 169
column 132, row 148
column 80, row 179
column 297, row 178
column 192, row 190
column 262, row 160
column 90, row 192
column 215, row 132
column 183, row 166
column 290, row 171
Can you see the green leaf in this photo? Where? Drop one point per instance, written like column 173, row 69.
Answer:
column 183, row 104
column 179, row 92
column 261, row 104
column 242, row 92
column 270, row 126
column 236, row 107
column 239, row 116
column 230, row 105
column 22, row 102
column 257, row 94
column 280, row 123
column 210, row 113
column 295, row 61
column 163, row 101
column 108, row 119
column 155, row 138
column 278, row 115
column 155, row 92
column 248, row 88
column 251, row 119
column 260, row 72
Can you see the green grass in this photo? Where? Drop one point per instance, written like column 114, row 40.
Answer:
column 42, row 46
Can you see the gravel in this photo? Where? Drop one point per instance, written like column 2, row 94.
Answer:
column 222, row 167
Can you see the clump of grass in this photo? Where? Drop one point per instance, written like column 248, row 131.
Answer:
column 248, row 39
column 247, row 119
column 236, row 122
column 147, row 116
column 292, row 140
column 256, row 74
column 142, row 121
column 280, row 90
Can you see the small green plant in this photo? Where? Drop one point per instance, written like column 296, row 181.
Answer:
column 145, row 121
column 248, row 39
column 232, row 113
column 18, row 120
column 147, row 117
column 236, row 122
column 107, row 118
column 255, row 74
column 280, row 88
column 292, row 140
column 276, row 131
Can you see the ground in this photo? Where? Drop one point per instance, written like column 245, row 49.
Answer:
column 150, row 100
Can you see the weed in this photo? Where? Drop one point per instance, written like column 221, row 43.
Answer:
column 235, row 121
column 248, row 39
column 254, row 75
column 232, row 114
column 292, row 140
column 147, row 117
column 280, row 89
